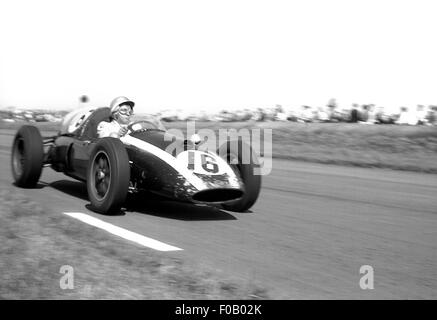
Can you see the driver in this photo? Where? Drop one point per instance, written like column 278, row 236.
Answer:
column 121, row 112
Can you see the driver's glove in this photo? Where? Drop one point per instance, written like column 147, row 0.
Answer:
column 122, row 131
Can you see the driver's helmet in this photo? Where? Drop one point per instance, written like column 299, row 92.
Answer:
column 117, row 102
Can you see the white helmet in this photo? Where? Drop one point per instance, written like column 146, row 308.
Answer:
column 115, row 104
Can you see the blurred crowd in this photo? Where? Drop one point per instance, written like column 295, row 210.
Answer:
column 364, row 114
column 331, row 112
column 14, row 115
column 367, row 114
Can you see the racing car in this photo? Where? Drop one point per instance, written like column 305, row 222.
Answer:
column 139, row 161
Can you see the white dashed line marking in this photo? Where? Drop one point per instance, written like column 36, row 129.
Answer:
column 123, row 233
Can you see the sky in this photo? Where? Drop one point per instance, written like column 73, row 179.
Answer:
column 213, row 55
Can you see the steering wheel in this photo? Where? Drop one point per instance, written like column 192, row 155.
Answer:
column 137, row 126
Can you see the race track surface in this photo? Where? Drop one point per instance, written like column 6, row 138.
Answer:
column 311, row 230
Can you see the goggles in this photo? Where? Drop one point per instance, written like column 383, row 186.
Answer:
column 126, row 110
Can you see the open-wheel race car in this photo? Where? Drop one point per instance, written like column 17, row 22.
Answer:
column 142, row 160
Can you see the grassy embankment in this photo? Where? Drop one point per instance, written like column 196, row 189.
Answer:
column 412, row 148
column 36, row 242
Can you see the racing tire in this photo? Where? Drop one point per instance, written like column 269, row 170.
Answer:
column 27, row 157
column 247, row 161
column 108, row 176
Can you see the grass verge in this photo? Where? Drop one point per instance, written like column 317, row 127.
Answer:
column 37, row 242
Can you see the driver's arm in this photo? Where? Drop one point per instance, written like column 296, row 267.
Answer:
column 107, row 129
column 122, row 131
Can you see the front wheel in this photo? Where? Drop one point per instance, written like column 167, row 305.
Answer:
column 108, row 176
column 27, row 157
column 243, row 160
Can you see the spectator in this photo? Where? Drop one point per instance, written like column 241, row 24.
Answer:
column 382, row 118
column 307, row 114
column 322, row 115
column 406, row 117
column 279, row 108
column 332, row 105
column 379, row 115
column 421, row 115
column 364, row 114
column 371, row 114
column 84, row 101
column 259, row 115
column 354, row 113
column 431, row 116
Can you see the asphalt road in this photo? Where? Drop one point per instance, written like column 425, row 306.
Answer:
column 311, row 230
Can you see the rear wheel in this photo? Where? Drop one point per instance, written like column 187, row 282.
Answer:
column 27, row 157
column 243, row 160
column 108, row 176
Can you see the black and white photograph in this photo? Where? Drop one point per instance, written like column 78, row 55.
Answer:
column 214, row 151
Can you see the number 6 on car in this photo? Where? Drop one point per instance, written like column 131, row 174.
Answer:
column 199, row 162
